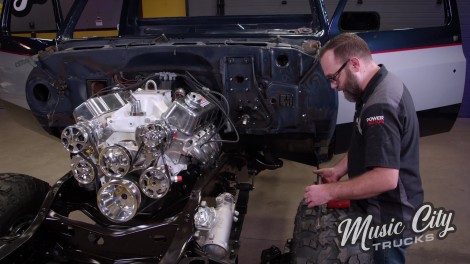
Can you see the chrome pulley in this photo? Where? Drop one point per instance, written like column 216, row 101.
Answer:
column 115, row 161
column 154, row 182
column 83, row 171
column 119, row 200
column 156, row 135
column 76, row 138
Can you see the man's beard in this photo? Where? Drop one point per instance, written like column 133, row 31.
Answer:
column 351, row 89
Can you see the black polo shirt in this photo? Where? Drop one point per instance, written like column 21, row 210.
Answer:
column 386, row 134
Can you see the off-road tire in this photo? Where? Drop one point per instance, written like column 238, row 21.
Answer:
column 21, row 197
column 318, row 242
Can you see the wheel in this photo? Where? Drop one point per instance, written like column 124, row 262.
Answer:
column 318, row 242
column 21, row 197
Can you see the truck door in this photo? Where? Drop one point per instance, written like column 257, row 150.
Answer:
column 421, row 42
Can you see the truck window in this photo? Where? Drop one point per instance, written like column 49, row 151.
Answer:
column 99, row 18
column 400, row 14
column 282, row 17
column 266, row 7
column 178, row 8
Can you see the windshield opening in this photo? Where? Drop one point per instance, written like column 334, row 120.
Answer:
column 229, row 16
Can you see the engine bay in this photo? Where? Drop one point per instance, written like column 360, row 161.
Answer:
column 165, row 142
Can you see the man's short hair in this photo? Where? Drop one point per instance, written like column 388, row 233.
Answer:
column 347, row 45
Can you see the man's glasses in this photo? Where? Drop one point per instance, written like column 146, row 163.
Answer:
column 334, row 77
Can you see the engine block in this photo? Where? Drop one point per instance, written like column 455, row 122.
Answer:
column 135, row 144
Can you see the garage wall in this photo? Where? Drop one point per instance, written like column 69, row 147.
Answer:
column 202, row 7
column 256, row 7
column 162, row 8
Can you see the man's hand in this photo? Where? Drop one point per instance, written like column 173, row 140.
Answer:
column 328, row 175
column 317, row 195
column 371, row 183
column 333, row 174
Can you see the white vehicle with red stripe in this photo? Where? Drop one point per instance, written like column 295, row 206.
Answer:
column 419, row 43
column 167, row 118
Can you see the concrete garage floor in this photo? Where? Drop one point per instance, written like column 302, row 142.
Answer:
column 445, row 168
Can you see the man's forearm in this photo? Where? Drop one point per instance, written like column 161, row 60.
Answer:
column 341, row 168
column 371, row 183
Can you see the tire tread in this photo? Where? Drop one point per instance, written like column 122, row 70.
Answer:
column 20, row 195
column 313, row 243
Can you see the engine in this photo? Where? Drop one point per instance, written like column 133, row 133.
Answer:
column 134, row 145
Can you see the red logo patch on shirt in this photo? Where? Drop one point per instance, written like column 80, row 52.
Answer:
column 375, row 120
